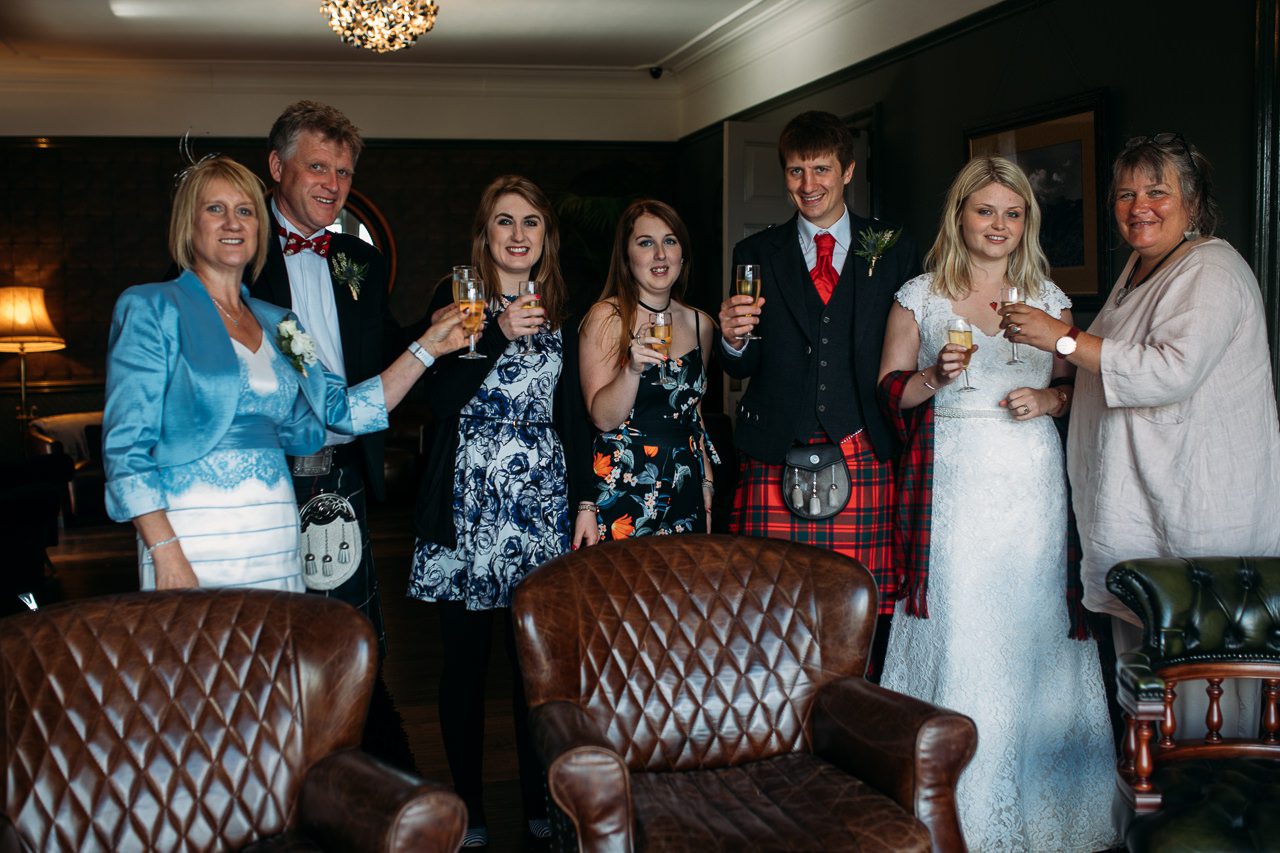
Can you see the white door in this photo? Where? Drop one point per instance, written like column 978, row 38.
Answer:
column 754, row 199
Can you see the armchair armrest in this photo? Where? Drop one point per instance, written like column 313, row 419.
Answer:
column 352, row 801
column 910, row 750
column 588, row 779
column 1135, row 678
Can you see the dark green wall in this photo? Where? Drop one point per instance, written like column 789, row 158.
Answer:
column 1179, row 65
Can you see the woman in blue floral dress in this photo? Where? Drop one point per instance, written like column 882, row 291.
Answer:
column 509, row 458
column 651, row 465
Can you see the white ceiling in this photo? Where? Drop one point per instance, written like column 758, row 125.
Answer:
column 491, row 69
column 614, row 34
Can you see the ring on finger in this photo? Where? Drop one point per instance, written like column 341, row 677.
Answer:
column 1015, row 328
column 1024, row 410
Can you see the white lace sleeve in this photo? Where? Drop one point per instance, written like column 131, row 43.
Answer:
column 1055, row 301
column 914, row 295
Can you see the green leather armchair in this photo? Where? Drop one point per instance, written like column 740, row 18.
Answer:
column 1204, row 620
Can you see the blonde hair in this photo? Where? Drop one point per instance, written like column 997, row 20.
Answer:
column 948, row 260
column 554, row 293
column 186, row 202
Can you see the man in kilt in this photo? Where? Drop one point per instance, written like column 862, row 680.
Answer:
column 828, row 280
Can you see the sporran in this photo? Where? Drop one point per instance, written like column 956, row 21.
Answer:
column 330, row 543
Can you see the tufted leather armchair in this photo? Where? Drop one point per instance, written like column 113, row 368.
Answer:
column 707, row 693
column 201, row 720
column 1204, row 620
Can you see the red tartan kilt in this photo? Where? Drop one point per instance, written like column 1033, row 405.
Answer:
column 863, row 530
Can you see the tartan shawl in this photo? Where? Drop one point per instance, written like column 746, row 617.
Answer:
column 913, row 514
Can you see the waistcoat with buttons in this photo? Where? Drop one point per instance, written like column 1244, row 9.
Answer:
column 830, row 400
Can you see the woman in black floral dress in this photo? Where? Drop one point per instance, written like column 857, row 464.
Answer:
column 652, row 470
column 507, row 467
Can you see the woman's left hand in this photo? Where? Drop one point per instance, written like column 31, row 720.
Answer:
column 1027, row 403
column 523, row 317
column 1024, row 324
column 586, row 531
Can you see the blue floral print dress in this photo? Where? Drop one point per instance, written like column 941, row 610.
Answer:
column 510, row 497
column 649, row 471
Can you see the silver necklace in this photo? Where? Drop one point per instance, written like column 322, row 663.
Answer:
column 223, row 309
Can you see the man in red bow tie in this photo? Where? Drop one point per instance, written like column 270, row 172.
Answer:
column 337, row 285
column 813, row 366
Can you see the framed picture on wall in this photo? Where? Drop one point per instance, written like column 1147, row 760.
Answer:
column 1059, row 146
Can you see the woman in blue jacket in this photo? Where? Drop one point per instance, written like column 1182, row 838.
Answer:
column 208, row 389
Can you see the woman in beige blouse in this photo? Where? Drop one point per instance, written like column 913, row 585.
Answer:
column 1174, row 449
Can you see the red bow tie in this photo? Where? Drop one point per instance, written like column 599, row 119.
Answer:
column 295, row 243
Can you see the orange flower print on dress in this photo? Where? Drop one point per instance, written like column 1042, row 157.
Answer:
column 622, row 527
column 603, row 465
column 650, row 450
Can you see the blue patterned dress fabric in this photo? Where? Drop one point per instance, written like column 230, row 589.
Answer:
column 233, row 509
column 649, row 471
column 510, row 496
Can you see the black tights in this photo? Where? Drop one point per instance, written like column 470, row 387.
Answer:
column 468, row 638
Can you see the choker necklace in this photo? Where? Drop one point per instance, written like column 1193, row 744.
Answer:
column 1130, row 285
column 651, row 308
column 223, row 309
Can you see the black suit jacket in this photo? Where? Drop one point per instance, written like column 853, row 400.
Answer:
column 767, row 422
column 371, row 339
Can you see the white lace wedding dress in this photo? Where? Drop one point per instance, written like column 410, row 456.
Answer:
column 995, row 645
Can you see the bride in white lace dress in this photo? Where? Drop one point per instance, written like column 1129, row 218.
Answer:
column 995, row 644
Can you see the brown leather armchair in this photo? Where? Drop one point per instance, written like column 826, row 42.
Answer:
column 707, row 693
column 201, row 720
column 1204, row 620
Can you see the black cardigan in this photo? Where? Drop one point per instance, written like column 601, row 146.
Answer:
column 451, row 383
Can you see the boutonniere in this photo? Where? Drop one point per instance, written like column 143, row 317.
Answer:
column 296, row 345
column 874, row 244
column 349, row 273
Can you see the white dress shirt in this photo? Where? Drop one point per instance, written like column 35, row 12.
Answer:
column 311, row 291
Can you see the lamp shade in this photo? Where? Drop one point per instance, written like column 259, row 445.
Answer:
column 24, row 322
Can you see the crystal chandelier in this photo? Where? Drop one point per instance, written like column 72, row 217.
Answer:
column 381, row 25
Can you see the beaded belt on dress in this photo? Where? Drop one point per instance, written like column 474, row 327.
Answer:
column 953, row 412
column 510, row 421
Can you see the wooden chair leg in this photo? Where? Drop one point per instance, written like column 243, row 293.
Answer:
column 1130, row 746
column 1169, row 725
column 1271, row 710
column 1142, row 766
column 1213, row 716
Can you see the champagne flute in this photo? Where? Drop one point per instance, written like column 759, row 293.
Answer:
column 660, row 328
column 1010, row 296
column 960, row 332
column 529, row 288
column 747, row 283
column 468, row 295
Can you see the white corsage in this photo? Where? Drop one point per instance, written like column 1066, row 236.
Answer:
column 296, row 345
column 349, row 273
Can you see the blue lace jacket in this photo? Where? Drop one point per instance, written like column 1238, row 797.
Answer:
column 173, row 384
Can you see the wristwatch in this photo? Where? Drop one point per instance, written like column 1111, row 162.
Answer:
column 1067, row 343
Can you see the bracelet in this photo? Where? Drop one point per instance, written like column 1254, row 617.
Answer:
column 925, row 380
column 584, row 506
column 160, row 544
column 417, row 351
column 709, row 486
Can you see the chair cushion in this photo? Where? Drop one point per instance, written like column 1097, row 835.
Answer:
column 1213, row 804
column 791, row 802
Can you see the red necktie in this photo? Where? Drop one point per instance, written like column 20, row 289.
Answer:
column 824, row 274
column 295, row 243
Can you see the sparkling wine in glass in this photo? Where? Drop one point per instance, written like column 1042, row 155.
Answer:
column 1010, row 296
column 747, row 283
column 529, row 288
column 960, row 332
column 660, row 328
column 469, row 296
